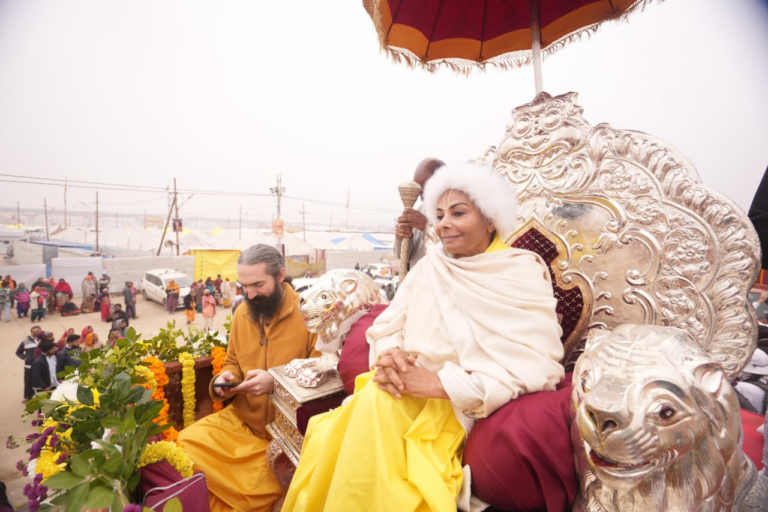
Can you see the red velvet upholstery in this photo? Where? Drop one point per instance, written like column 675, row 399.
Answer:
column 570, row 303
column 354, row 356
column 753, row 442
column 521, row 456
column 160, row 482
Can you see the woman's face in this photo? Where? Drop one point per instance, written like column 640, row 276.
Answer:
column 70, row 331
column 460, row 225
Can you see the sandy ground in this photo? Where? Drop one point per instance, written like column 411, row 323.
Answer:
column 151, row 317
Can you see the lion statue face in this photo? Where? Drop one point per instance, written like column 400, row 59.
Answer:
column 656, row 424
column 337, row 296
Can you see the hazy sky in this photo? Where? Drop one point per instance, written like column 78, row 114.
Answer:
column 225, row 95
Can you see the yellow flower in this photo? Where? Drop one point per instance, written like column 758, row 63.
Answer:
column 188, row 387
column 173, row 453
column 46, row 464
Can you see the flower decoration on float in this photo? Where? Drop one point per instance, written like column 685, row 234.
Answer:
column 219, row 354
column 161, row 379
column 172, row 452
column 188, row 387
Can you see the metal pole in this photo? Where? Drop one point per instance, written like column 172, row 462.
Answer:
column 97, row 222
column 176, row 205
column 162, row 238
column 47, row 233
column 533, row 6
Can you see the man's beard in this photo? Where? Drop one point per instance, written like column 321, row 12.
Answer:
column 264, row 307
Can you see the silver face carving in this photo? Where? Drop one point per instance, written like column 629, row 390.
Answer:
column 337, row 296
column 655, row 425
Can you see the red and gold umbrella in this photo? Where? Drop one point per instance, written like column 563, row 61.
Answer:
column 463, row 34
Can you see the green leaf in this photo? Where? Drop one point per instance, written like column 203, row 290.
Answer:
column 113, row 464
column 99, row 497
column 145, row 397
column 80, row 466
column 61, row 499
column 84, row 395
column 131, row 334
column 111, row 422
column 65, row 480
column 77, row 497
column 174, row 505
column 135, row 395
column 127, row 426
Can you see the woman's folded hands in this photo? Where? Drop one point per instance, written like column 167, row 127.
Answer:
column 397, row 373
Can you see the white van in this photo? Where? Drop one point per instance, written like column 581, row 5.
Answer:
column 156, row 281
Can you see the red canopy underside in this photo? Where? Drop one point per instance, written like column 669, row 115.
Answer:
column 479, row 30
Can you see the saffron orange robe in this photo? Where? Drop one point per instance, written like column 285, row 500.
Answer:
column 230, row 446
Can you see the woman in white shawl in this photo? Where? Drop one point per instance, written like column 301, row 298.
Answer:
column 472, row 327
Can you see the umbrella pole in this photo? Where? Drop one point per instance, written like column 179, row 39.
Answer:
column 533, row 6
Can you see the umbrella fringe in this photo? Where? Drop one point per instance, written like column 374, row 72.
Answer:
column 506, row 61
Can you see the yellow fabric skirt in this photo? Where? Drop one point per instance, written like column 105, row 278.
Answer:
column 190, row 315
column 379, row 454
column 234, row 462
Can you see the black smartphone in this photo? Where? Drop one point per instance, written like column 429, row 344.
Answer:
column 225, row 384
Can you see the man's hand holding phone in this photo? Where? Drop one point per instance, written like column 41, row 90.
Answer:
column 256, row 382
column 225, row 385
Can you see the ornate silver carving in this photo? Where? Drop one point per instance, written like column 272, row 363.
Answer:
column 663, row 249
column 655, row 426
column 335, row 298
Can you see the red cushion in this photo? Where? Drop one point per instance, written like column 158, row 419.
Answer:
column 354, row 355
column 521, row 456
column 753, row 442
column 160, row 482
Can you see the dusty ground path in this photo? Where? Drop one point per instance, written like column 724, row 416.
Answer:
column 151, row 317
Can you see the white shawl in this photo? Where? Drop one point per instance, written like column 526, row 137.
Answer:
column 485, row 324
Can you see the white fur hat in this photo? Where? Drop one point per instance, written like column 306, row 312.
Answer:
column 493, row 195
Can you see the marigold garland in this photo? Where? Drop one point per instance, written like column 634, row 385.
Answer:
column 219, row 355
column 188, row 387
column 173, row 453
column 161, row 379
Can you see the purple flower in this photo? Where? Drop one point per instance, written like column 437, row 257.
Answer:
column 36, row 423
column 38, row 479
column 48, row 431
column 65, row 426
column 33, row 506
column 34, row 451
column 132, row 508
column 41, row 491
column 27, row 487
column 24, row 471
column 20, row 465
column 61, row 458
column 32, row 437
column 54, row 440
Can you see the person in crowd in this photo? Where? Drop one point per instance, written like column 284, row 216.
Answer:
column 51, row 287
column 62, row 343
column 209, row 310
column 26, row 352
column 5, row 504
column 758, row 214
column 475, row 353
column 104, row 280
column 46, row 367
column 72, row 351
column 135, row 296
column 383, row 292
column 752, row 385
column 12, row 285
column 217, row 283
column 88, row 329
column 209, row 286
column 199, row 295
column 267, row 331
column 69, row 308
column 114, row 335
column 413, row 222
column 6, row 296
column 38, row 300
column 390, row 292
column 226, row 294
column 47, row 336
column 63, row 292
column 122, row 328
column 189, row 307
column 357, row 266
column 88, row 288
column 129, row 299
column 104, row 305
column 118, row 316
column 172, row 300
column 92, row 342
column 239, row 297
column 21, row 295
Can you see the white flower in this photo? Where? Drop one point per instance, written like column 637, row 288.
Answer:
column 67, row 389
column 31, row 468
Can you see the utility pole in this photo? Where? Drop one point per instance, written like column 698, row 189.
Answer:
column 278, row 192
column 97, row 222
column 304, row 221
column 18, row 214
column 167, row 220
column 66, row 225
column 176, row 205
column 47, row 233
column 240, row 234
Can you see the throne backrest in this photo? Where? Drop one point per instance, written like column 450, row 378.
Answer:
column 629, row 232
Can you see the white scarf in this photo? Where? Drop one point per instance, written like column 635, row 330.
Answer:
column 485, row 324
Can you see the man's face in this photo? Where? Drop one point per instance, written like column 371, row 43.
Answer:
column 36, row 331
column 52, row 351
column 75, row 344
column 256, row 281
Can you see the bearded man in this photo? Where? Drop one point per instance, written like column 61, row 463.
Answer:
column 267, row 331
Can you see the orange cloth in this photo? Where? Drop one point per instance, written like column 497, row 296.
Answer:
column 229, row 446
column 190, row 315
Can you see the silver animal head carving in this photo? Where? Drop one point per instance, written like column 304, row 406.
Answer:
column 656, row 425
column 336, row 297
